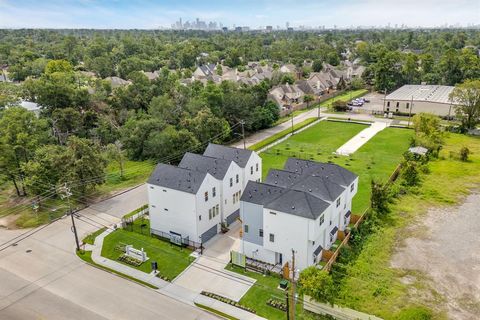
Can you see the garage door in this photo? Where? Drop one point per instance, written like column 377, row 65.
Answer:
column 231, row 218
column 209, row 234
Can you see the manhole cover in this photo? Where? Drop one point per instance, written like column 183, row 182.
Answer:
column 28, row 251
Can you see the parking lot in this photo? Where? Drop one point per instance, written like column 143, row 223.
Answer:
column 375, row 104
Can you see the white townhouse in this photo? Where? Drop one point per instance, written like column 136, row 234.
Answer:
column 184, row 203
column 248, row 160
column 301, row 207
column 192, row 200
column 229, row 176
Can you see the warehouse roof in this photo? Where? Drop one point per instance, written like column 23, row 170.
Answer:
column 429, row 93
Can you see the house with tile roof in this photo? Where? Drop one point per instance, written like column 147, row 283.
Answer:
column 301, row 207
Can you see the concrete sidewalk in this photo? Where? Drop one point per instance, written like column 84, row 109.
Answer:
column 361, row 138
column 185, row 292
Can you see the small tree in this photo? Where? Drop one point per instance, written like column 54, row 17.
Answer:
column 410, row 174
column 317, row 284
column 114, row 152
column 307, row 99
column 317, row 65
column 340, row 106
column 380, row 197
column 464, row 153
column 467, row 95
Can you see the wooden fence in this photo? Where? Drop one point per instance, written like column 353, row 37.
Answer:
column 357, row 220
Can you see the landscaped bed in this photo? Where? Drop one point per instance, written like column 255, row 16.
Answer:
column 171, row 259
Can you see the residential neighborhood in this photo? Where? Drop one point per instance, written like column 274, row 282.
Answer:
column 239, row 160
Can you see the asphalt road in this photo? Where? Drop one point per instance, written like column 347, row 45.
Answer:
column 42, row 278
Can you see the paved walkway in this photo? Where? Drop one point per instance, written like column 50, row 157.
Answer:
column 361, row 138
column 205, row 273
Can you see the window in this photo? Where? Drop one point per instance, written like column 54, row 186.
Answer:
column 237, row 178
column 246, row 228
column 153, row 206
column 234, row 198
column 200, row 218
column 256, row 167
column 231, row 182
column 338, row 202
column 398, row 104
column 206, row 196
column 352, row 187
column 164, row 190
column 274, row 213
column 214, row 192
column 388, row 104
column 165, row 209
column 251, row 170
column 260, row 233
column 272, row 237
column 408, row 105
column 210, row 214
column 217, row 209
column 152, row 187
column 322, row 219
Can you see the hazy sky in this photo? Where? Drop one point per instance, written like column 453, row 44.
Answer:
column 153, row 14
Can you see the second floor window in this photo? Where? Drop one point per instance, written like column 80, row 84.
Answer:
column 338, row 202
column 231, row 182
column 246, row 228
column 272, row 237
column 260, row 233
column 322, row 219
column 214, row 192
column 256, row 167
column 206, row 196
column 237, row 178
column 352, row 187
column 251, row 170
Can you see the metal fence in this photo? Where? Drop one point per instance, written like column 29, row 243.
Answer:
column 185, row 241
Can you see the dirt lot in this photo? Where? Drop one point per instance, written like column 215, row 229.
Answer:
column 446, row 248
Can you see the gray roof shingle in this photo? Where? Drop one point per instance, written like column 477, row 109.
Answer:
column 331, row 171
column 240, row 156
column 216, row 167
column 320, row 187
column 177, row 178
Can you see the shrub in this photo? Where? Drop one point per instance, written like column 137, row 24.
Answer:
column 227, row 301
column 340, row 106
column 464, row 153
column 317, row 284
column 129, row 260
column 277, row 304
column 415, row 313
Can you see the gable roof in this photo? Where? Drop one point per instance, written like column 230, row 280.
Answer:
column 215, row 166
column 331, row 171
column 320, row 187
column 239, row 156
column 177, row 178
column 298, row 203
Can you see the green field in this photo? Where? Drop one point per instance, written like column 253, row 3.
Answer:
column 171, row 259
column 371, row 285
column 376, row 159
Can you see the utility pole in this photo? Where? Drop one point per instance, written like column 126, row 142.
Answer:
column 384, row 99
column 410, row 112
column 319, row 111
column 292, row 122
column 291, row 307
column 243, row 133
column 66, row 193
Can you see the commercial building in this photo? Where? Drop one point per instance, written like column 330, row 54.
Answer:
column 412, row 99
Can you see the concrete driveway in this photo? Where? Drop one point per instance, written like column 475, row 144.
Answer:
column 208, row 272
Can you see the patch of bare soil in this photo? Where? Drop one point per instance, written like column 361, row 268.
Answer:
column 445, row 246
column 8, row 222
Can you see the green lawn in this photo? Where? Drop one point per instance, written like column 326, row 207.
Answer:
column 371, row 285
column 265, row 288
column 90, row 239
column 376, row 159
column 171, row 259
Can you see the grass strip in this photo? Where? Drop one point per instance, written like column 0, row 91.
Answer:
column 216, row 312
column 87, row 257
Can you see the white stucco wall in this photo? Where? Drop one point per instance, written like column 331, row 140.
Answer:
column 202, row 206
column 228, row 207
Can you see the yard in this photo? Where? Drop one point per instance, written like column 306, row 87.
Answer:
column 376, row 159
column 371, row 284
column 171, row 259
column 23, row 216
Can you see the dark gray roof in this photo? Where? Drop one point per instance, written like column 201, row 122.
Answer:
column 240, row 156
column 331, row 171
column 298, row 203
column 261, row 193
column 177, row 178
column 216, row 167
column 282, row 199
column 320, row 187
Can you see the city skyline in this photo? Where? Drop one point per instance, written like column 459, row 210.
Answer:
column 144, row 14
